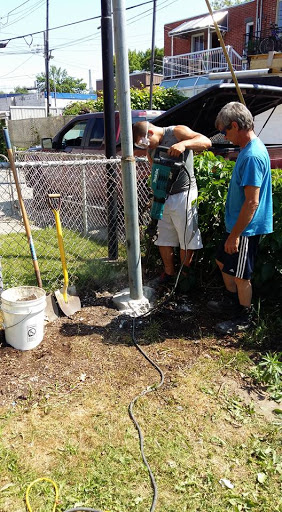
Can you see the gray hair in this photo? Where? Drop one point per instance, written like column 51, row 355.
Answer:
column 235, row 111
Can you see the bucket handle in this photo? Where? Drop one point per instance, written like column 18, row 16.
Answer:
column 22, row 320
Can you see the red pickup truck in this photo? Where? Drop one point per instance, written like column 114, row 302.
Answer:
column 85, row 133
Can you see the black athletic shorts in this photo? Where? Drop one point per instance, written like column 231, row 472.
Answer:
column 240, row 264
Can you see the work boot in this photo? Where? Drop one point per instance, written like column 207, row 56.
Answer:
column 229, row 305
column 239, row 324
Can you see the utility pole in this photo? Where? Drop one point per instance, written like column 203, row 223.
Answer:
column 46, row 53
column 109, row 120
column 152, row 55
column 128, row 160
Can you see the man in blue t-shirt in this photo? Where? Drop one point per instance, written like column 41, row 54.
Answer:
column 248, row 215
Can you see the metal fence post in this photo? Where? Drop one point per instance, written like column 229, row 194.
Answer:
column 84, row 200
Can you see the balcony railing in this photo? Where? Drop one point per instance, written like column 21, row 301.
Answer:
column 200, row 63
column 271, row 40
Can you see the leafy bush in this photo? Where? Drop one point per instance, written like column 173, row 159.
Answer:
column 268, row 275
column 213, row 174
column 162, row 99
column 76, row 108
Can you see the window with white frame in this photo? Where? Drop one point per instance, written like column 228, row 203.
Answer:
column 249, row 31
column 197, row 43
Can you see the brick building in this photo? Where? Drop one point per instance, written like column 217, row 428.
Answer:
column 197, row 33
column 191, row 45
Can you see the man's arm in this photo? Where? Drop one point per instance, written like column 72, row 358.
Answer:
column 245, row 216
column 188, row 139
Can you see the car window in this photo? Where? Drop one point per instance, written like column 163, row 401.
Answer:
column 73, row 137
column 97, row 132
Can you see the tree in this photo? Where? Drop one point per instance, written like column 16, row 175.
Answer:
column 21, row 90
column 158, row 60
column 141, row 61
column 61, row 81
column 220, row 4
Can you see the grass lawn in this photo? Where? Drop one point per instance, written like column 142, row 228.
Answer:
column 83, row 257
column 211, row 447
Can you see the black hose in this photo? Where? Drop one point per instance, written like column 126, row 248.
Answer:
column 130, row 410
column 82, row 509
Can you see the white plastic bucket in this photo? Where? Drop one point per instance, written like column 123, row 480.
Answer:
column 23, row 313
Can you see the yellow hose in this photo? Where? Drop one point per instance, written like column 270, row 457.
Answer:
column 40, row 480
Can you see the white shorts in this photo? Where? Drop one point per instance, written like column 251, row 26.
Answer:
column 179, row 225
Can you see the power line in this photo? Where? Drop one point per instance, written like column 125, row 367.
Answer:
column 69, row 24
column 17, row 67
column 7, row 15
column 24, row 14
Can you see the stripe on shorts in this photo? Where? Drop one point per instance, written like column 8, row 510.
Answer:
column 242, row 258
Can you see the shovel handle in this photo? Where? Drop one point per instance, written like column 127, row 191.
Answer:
column 60, row 240
column 51, row 198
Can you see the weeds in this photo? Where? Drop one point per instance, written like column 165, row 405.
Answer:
column 269, row 373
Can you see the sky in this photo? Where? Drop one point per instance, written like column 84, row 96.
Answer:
column 77, row 47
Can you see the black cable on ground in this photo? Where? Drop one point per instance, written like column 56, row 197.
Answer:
column 130, row 410
column 82, row 509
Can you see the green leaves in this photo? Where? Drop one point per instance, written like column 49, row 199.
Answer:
column 163, row 99
column 60, row 81
column 141, row 61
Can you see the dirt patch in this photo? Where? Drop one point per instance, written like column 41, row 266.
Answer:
column 78, row 351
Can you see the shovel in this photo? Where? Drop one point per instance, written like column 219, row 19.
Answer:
column 69, row 304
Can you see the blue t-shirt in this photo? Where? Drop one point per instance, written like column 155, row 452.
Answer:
column 252, row 168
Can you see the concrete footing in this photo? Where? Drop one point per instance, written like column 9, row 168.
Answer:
column 134, row 307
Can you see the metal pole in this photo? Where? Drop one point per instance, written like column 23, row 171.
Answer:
column 46, row 46
column 84, row 200
column 1, row 278
column 128, row 160
column 239, row 92
column 152, row 55
column 55, row 92
column 109, row 120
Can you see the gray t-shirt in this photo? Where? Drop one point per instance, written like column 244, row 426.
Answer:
column 186, row 175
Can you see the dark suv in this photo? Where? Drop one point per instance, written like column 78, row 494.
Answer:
column 85, row 133
column 200, row 111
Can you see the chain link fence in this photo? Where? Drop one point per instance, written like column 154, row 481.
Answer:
column 91, row 213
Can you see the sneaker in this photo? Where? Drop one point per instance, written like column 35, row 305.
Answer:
column 228, row 306
column 240, row 324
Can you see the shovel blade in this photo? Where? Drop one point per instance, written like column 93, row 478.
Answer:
column 51, row 309
column 68, row 308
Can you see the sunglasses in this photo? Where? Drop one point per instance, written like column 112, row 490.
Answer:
column 223, row 132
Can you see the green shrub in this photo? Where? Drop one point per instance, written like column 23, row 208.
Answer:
column 162, row 99
column 213, row 174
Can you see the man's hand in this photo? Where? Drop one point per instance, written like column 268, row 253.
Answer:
column 232, row 244
column 177, row 149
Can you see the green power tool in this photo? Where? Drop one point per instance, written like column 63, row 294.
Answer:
column 164, row 173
